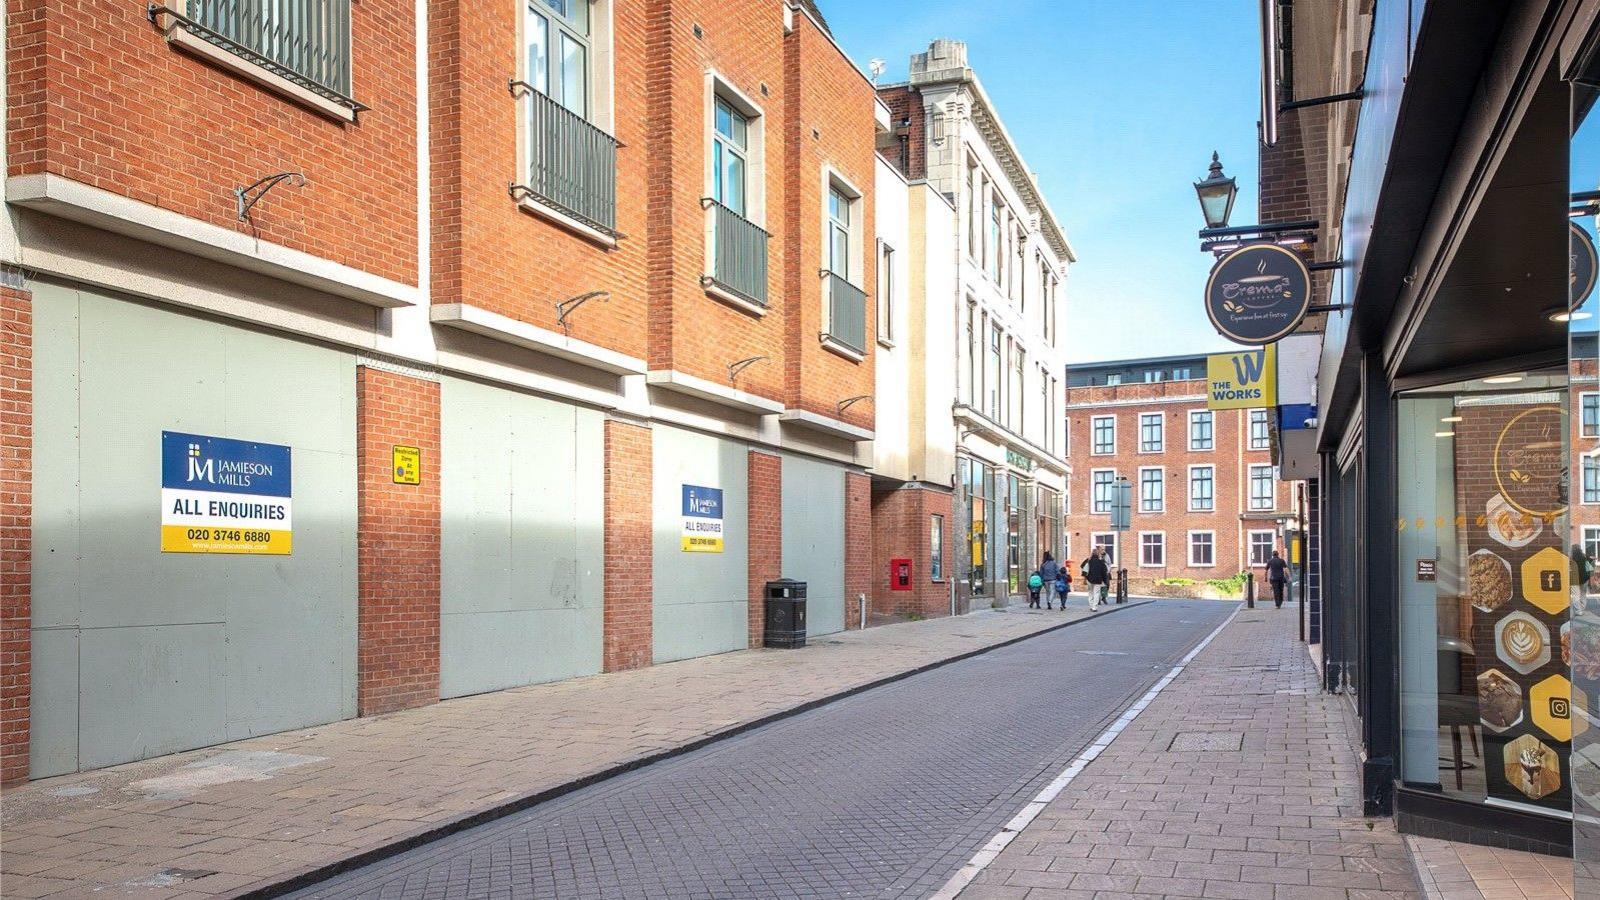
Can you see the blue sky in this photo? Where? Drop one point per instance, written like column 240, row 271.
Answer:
column 1117, row 106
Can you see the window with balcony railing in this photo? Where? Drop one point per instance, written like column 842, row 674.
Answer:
column 846, row 323
column 739, row 255
column 306, row 42
column 572, row 163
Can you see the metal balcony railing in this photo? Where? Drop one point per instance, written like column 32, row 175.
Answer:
column 574, row 164
column 306, row 41
column 740, row 259
column 847, row 313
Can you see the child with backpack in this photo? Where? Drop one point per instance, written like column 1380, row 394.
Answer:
column 1063, row 585
column 1035, row 582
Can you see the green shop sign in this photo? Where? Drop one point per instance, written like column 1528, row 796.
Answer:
column 1019, row 461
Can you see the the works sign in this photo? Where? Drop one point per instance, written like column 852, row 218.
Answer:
column 1245, row 380
column 1257, row 294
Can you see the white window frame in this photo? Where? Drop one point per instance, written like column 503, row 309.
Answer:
column 1250, row 487
column 1161, row 502
column 1250, row 424
column 1213, row 535
column 1110, row 545
column 886, row 287
column 1189, row 488
column 1162, row 544
column 719, row 87
column 1250, row 546
column 1591, row 539
column 1583, row 400
column 1587, row 460
column 1211, row 417
column 1111, row 501
column 1094, row 447
column 936, row 548
column 1161, row 432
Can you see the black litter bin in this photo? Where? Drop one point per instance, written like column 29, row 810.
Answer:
column 786, row 613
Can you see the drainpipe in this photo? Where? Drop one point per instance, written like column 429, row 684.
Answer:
column 862, row 600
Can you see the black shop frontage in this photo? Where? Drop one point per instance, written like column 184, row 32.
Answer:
column 1459, row 426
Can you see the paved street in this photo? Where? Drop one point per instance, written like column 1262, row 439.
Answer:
column 884, row 794
column 1237, row 781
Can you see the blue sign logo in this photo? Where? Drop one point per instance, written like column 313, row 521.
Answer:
column 196, row 462
column 702, row 502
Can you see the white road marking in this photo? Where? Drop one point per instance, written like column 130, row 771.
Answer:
column 1008, row 833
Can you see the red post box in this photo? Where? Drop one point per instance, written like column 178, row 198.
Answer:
column 900, row 573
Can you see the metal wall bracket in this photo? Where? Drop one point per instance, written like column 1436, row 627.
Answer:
column 566, row 307
column 735, row 369
column 847, row 402
column 1320, row 101
column 247, row 197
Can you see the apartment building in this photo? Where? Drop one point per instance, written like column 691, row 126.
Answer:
column 392, row 353
column 968, row 468
column 1207, row 502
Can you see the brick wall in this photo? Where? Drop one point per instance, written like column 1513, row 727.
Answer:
column 766, row 535
column 857, row 545
column 397, row 544
column 902, row 522
column 909, row 153
column 76, row 67
column 629, row 639
column 16, row 527
column 1230, row 520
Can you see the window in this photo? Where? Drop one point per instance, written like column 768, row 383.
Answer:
column 1152, row 548
column 1103, row 435
column 1591, row 541
column 1152, row 490
column 974, row 199
column 1202, row 548
column 995, row 373
column 838, row 232
column 1113, row 380
column 557, row 32
column 994, row 250
column 1260, row 436
column 1591, row 479
column 301, row 49
column 1181, row 374
column 1151, row 438
column 1151, row 376
column 1017, row 409
column 1202, row 482
column 1200, row 430
column 1262, row 489
column 1590, row 404
column 1261, row 546
column 972, row 394
column 729, row 148
column 1100, row 493
column 885, row 294
column 1108, row 541
column 936, row 549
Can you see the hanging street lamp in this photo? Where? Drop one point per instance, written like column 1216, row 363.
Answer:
column 1217, row 193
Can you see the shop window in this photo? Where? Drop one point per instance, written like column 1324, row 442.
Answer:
column 1202, row 488
column 1260, row 433
column 936, row 549
column 1200, row 429
column 1103, row 435
column 1202, row 549
column 1100, row 496
column 1261, row 546
column 1151, row 439
column 1152, row 548
column 1152, row 490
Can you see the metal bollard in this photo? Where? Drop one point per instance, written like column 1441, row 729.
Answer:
column 1250, row 590
column 1122, row 586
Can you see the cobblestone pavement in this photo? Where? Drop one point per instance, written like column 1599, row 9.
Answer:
column 884, row 794
column 257, row 811
column 1237, row 781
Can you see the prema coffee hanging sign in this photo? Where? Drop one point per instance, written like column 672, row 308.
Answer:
column 1258, row 294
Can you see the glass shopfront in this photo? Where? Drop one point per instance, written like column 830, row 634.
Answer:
column 1581, row 643
column 1482, row 584
column 980, row 511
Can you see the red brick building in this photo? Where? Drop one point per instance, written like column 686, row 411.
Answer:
column 1206, row 496
column 548, row 310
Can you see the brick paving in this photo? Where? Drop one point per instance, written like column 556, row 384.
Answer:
column 1270, row 811
column 261, row 810
column 883, row 794
column 1450, row 870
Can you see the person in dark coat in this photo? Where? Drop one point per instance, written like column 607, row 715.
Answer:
column 1278, row 576
column 1047, row 573
column 1097, row 575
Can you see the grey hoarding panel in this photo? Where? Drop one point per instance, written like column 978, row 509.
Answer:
column 272, row 639
column 700, row 605
column 813, row 538
column 522, row 546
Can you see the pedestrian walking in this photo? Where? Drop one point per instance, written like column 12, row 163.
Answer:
column 1047, row 572
column 1097, row 576
column 1035, row 584
column 1063, row 585
column 1278, row 576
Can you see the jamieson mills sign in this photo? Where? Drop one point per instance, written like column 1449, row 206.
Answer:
column 1258, row 293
